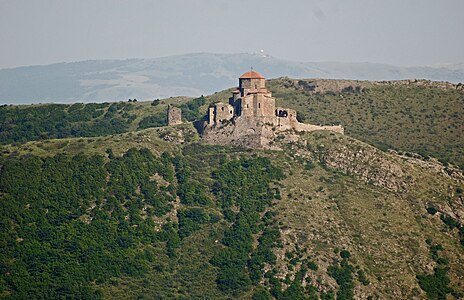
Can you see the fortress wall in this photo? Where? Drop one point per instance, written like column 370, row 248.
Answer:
column 283, row 124
column 310, row 127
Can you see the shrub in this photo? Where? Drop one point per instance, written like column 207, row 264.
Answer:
column 432, row 210
column 312, row 266
column 345, row 254
column 449, row 221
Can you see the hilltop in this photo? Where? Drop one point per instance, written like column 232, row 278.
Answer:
column 422, row 117
column 418, row 116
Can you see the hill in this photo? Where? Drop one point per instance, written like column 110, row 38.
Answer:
column 416, row 116
column 422, row 117
column 190, row 74
column 153, row 213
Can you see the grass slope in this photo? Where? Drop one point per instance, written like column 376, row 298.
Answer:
column 422, row 119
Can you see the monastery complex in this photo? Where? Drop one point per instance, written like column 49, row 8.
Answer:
column 251, row 118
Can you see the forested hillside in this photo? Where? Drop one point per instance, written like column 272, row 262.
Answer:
column 102, row 201
column 196, row 221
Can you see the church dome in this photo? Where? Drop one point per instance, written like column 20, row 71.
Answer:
column 251, row 75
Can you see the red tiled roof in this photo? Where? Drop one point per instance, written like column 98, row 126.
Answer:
column 251, row 75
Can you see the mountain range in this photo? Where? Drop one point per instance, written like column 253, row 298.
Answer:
column 188, row 75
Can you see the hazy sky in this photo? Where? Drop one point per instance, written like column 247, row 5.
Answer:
column 399, row 32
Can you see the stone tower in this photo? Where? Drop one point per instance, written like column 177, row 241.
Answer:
column 252, row 98
column 174, row 115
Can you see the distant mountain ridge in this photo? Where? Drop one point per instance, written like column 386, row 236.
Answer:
column 189, row 74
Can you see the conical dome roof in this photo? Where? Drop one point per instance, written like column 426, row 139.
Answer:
column 251, row 75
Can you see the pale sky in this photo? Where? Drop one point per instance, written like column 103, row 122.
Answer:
column 398, row 32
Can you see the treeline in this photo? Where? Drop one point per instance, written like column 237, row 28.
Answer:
column 22, row 124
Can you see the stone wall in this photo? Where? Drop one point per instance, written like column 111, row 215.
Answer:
column 256, row 132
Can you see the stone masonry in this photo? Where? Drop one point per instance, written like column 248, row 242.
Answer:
column 251, row 117
column 174, row 115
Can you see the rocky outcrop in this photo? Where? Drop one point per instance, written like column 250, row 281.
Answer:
column 366, row 163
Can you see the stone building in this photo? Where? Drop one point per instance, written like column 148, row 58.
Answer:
column 251, row 117
column 174, row 115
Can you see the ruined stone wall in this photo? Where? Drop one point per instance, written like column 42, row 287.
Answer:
column 286, row 113
column 174, row 115
column 283, row 123
column 223, row 111
column 256, row 132
column 310, row 127
column 211, row 115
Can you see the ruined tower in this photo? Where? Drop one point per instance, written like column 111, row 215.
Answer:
column 174, row 115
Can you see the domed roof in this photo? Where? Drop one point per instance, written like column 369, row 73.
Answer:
column 251, row 75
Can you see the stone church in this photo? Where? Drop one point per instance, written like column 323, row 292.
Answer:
column 251, row 117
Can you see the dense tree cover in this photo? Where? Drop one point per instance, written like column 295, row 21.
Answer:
column 191, row 110
column 244, row 185
column 191, row 219
column 21, row 124
column 190, row 191
column 69, row 221
column 72, row 224
column 156, row 120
